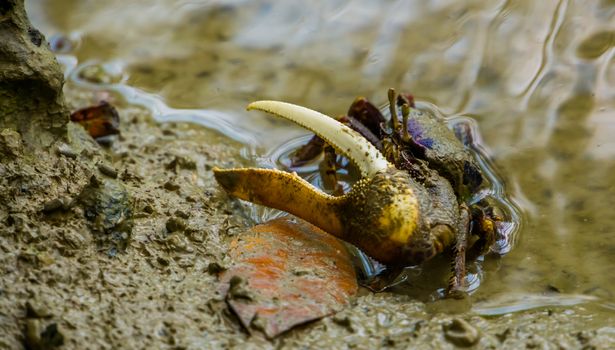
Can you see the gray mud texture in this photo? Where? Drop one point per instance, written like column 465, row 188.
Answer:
column 109, row 248
column 31, row 79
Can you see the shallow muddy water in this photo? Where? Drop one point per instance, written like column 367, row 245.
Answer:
column 538, row 77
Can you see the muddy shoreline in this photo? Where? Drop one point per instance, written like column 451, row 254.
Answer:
column 62, row 279
column 117, row 245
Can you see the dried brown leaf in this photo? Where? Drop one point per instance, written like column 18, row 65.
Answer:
column 101, row 120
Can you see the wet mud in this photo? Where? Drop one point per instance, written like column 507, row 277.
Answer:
column 114, row 247
column 110, row 246
column 78, row 270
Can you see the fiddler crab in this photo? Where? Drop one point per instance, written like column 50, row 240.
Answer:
column 411, row 202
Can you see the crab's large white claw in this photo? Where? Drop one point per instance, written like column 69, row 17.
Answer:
column 345, row 140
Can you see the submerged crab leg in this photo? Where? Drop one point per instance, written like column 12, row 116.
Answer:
column 328, row 172
column 308, row 152
column 457, row 282
column 483, row 231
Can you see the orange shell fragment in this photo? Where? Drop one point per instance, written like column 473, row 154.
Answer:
column 293, row 273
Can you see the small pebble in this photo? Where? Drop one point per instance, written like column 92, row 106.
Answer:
column 52, row 205
column 36, row 310
column 148, row 209
column 175, row 224
column 162, row 261
column 170, row 186
column 461, row 333
column 215, row 268
column 108, row 170
column 239, row 289
column 67, row 151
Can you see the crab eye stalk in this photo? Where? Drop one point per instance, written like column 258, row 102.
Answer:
column 380, row 214
column 405, row 112
column 392, row 95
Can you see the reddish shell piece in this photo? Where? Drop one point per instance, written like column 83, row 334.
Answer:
column 291, row 272
column 101, row 120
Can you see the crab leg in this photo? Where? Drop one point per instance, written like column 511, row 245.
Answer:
column 483, row 231
column 328, row 172
column 457, row 282
column 357, row 126
column 308, row 152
